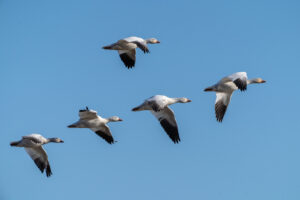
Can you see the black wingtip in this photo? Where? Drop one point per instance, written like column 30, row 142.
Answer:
column 171, row 130
column 107, row 138
column 220, row 110
column 128, row 62
column 176, row 141
column 146, row 51
column 48, row 171
column 40, row 164
column 242, row 85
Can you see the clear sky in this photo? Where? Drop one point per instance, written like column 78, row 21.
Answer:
column 52, row 65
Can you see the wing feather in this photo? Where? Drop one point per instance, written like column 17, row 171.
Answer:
column 167, row 120
column 87, row 114
column 222, row 102
column 239, row 79
column 142, row 45
column 128, row 57
column 40, row 158
column 104, row 132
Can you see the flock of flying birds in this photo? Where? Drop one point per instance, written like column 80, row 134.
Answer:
column 157, row 105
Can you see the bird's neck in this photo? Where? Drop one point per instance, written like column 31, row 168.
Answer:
column 174, row 100
column 50, row 140
column 147, row 41
column 251, row 81
column 109, row 120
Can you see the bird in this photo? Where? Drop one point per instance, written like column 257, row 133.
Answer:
column 158, row 106
column 126, row 48
column 33, row 146
column 225, row 87
column 90, row 119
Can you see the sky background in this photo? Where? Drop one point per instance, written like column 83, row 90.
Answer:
column 52, row 65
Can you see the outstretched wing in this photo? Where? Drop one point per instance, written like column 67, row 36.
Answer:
column 167, row 120
column 222, row 102
column 104, row 132
column 128, row 57
column 40, row 158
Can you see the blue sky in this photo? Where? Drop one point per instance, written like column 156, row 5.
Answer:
column 52, row 65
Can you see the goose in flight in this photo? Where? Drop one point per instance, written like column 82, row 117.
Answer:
column 158, row 106
column 225, row 87
column 126, row 48
column 33, row 146
column 90, row 119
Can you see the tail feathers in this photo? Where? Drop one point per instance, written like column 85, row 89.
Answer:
column 14, row 144
column 72, row 126
column 136, row 108
column 209, row 89
column 107, row 47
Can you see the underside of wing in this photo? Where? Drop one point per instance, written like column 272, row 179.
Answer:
column 167, row 120
column 40, row 158
column 104, row 133
column 220, row 109
column 222, row 102
column 128, row 57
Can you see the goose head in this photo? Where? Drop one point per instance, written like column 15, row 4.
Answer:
column 184, row 100
column 114, row 119
column 56, row 140
column 257, row 80
column 152, row 41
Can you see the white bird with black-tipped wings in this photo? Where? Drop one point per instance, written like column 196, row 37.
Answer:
column 90, row 119
column 225, row 87
column 126, row 48
column 158, row 105
column 33, row 146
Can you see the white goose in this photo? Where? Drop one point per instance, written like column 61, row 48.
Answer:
column 225, row 87
column 33, row 146
column 158, row 105
column 126, row 48
column 90, row 119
